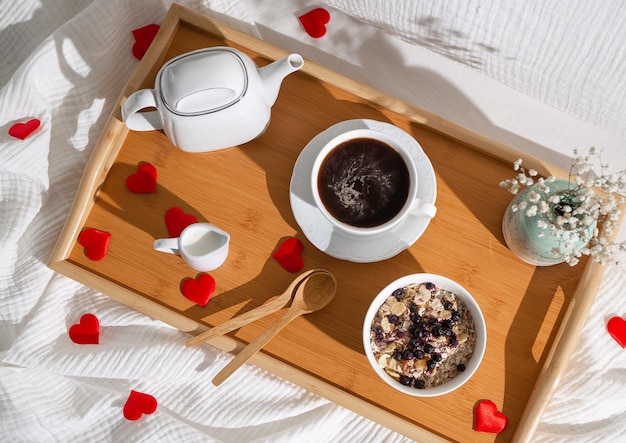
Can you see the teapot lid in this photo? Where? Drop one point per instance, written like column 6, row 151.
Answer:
column 203, row 81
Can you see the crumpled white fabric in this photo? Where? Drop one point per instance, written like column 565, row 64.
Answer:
column 565, row 54
column 65, row 64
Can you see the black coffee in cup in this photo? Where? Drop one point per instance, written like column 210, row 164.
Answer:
column 363, row 182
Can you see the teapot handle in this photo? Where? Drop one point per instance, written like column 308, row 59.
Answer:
column 141, row 121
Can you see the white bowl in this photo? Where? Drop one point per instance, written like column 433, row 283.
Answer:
column 479, row 323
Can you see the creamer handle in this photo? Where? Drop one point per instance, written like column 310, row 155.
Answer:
column 169, row 245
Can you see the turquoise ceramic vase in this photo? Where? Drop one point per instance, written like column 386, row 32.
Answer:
column 541, row 246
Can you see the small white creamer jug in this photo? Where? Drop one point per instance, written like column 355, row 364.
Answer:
column 203, row 246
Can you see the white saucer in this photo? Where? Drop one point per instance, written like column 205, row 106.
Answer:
column 338, row 244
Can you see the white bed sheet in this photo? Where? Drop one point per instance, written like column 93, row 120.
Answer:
column 65, row 64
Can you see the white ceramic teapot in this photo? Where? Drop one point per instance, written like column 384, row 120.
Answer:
column 209, row 99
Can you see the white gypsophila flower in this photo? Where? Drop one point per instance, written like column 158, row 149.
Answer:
column 555, row 199
column 588, row 220
column 611, row 187
column 523, row 179
column 531, row 211
column 534, row 197
column 542, row 188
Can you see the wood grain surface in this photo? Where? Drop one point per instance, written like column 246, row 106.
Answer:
column 245, row 191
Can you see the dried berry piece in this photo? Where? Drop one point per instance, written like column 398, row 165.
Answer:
column 398, row 294
column 406, row 380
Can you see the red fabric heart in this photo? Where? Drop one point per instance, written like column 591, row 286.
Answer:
column 23, row 130
column 144, row 180
column 487, row 418
column 314, row 22
column 143, row 39
column 288, row 254
column 198, row 290
column 617, row 329
column 95, row 242
column 176, row 220
column 138, row 404
column 87, row 331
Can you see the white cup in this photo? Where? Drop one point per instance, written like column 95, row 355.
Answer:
column 203, row 246
column 350, row 183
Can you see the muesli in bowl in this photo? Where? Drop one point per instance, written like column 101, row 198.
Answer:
column 424, row 335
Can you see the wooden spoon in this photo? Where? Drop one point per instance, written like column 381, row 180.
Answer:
column 276, row 304
column 312, row 295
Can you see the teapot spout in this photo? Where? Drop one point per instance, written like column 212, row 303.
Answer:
column 273, row 74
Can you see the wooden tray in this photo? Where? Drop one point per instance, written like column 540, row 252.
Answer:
column 534, row 315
